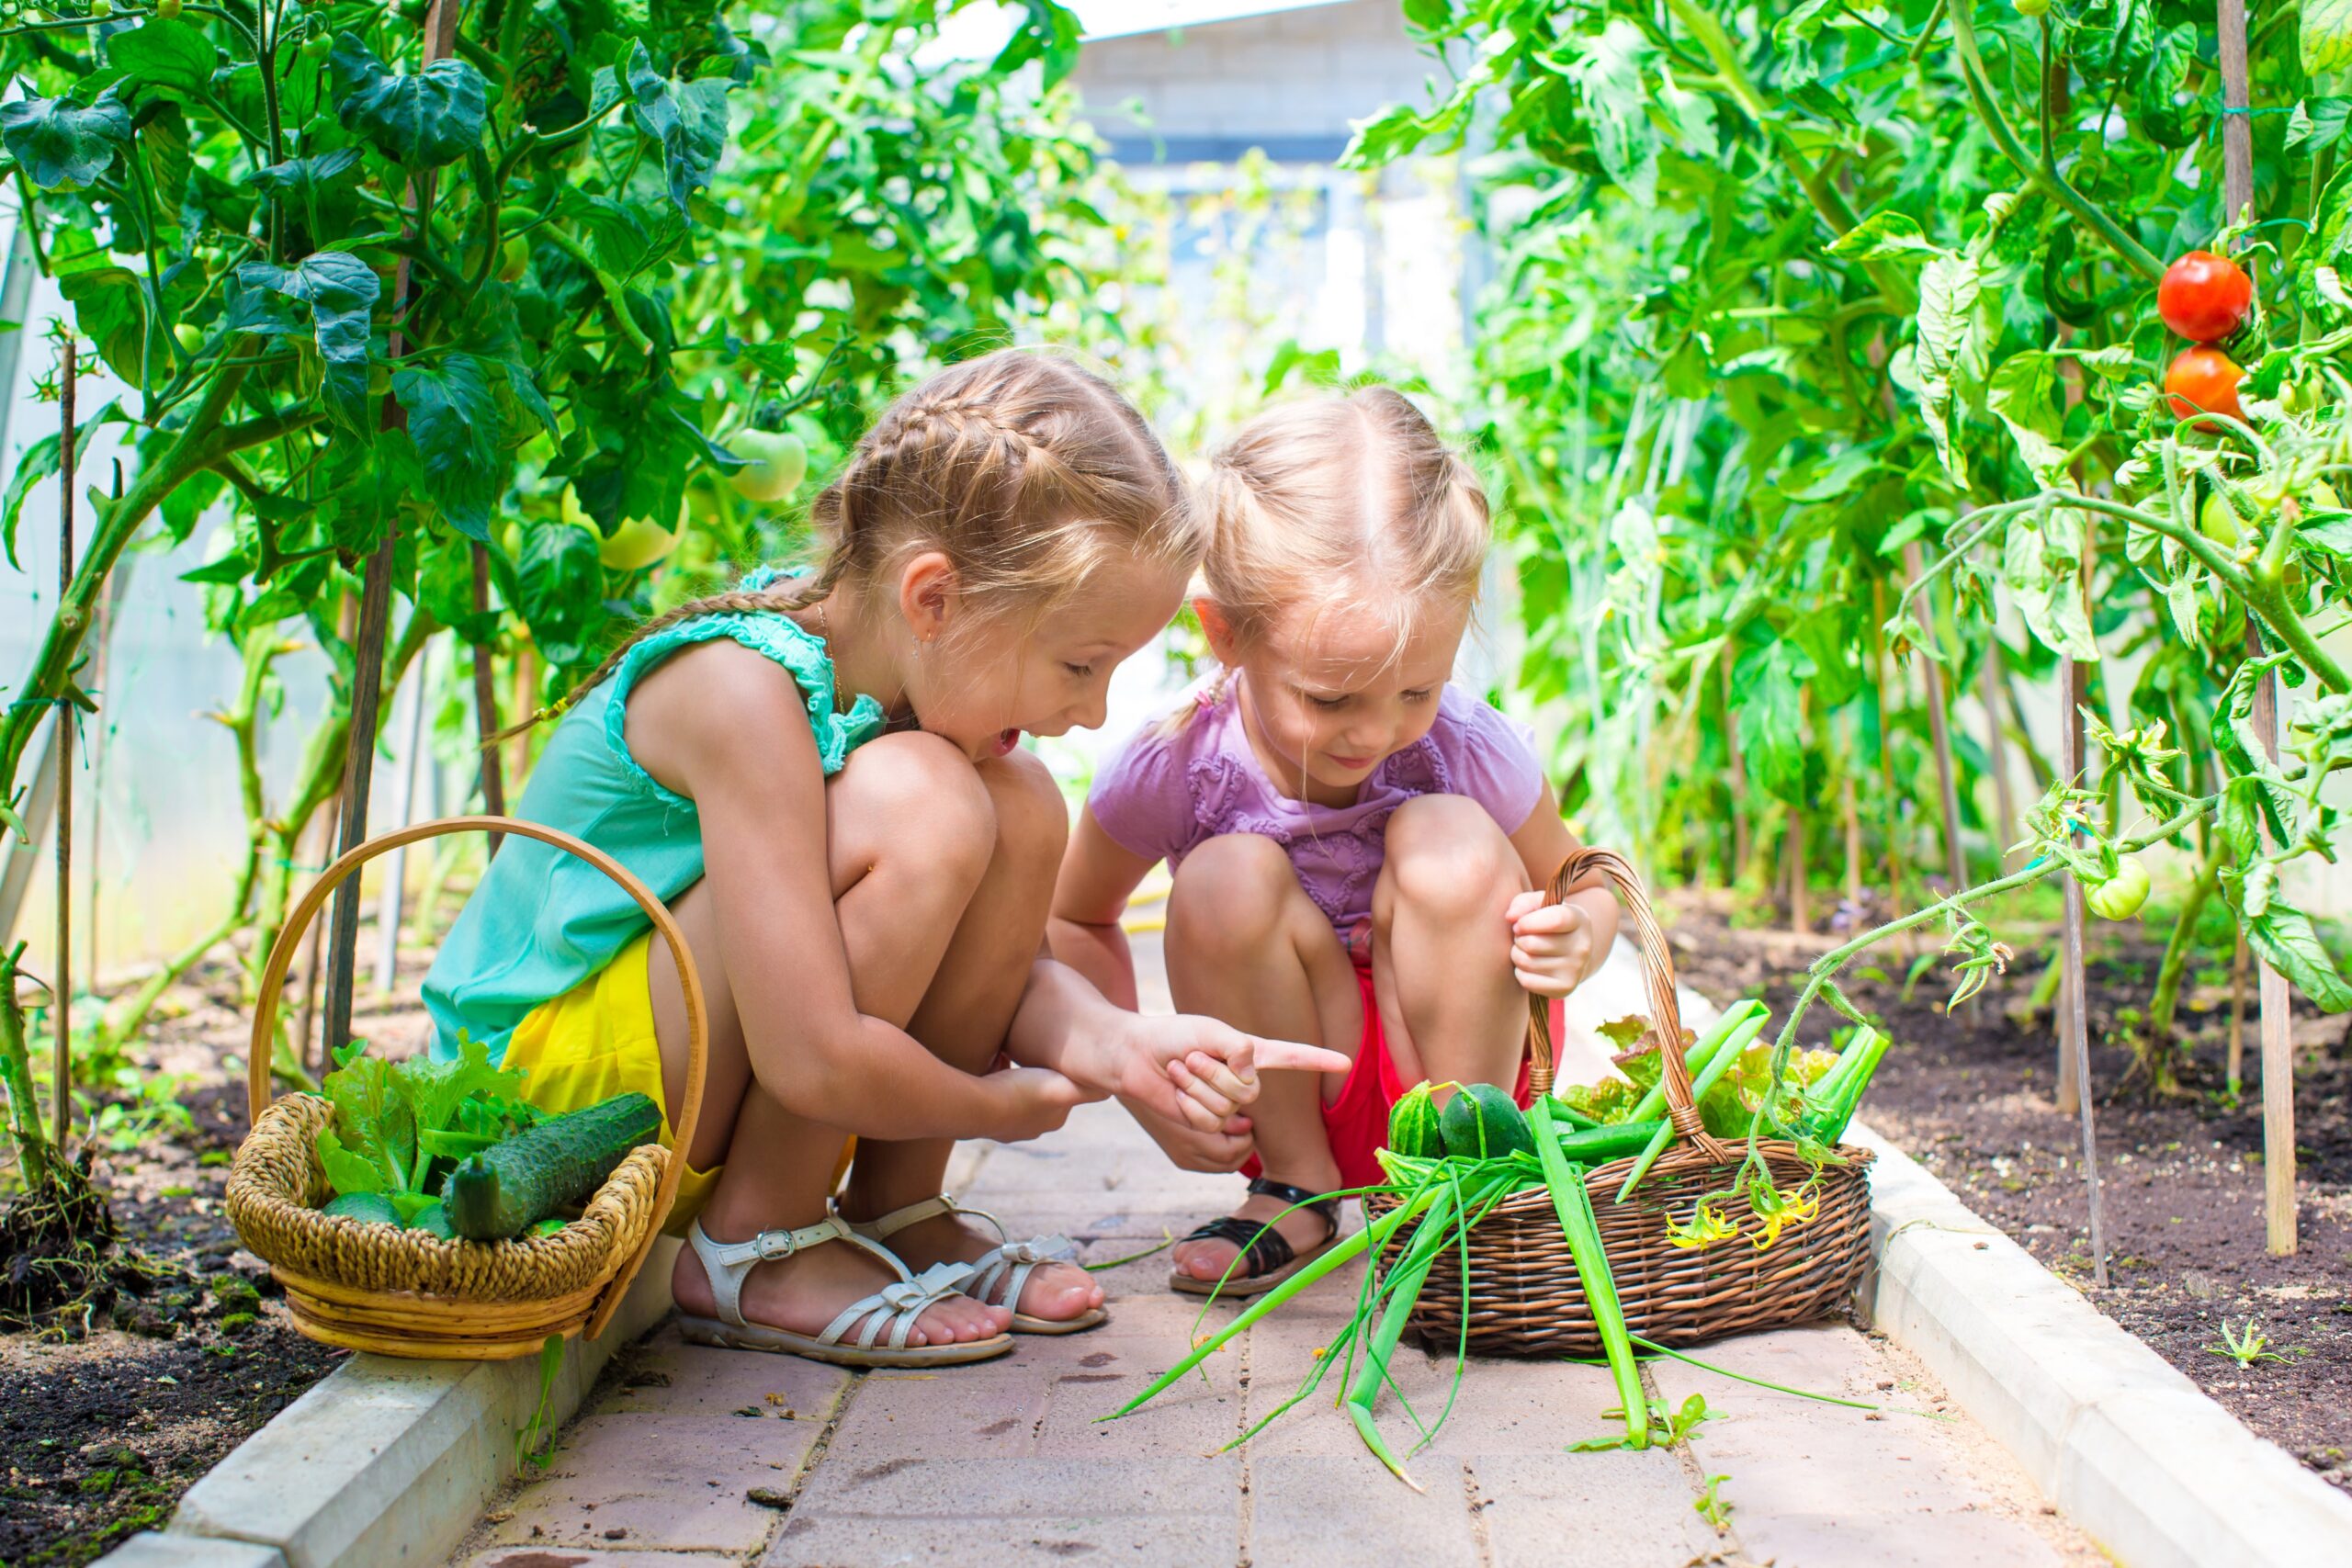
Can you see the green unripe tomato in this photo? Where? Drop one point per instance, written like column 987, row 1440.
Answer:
column 2217, row 523
column 318, row 46
column 2032, row 9
column 102, row 8
column 2119, row 897
column 189, row 336
column 779, row 461
column 167, row 9
column 514, row 258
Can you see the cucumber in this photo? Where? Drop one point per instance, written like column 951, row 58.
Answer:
column 1413, row 1125
column 372, row 1207
column 1598, row 1146
column 501, row 1191
column 1481, row 1121
column 434, row 1218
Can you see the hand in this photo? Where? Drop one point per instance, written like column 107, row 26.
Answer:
column 1195, row 1071
column 1219, row 1153
column 1031, row 1101
column 1551, row 944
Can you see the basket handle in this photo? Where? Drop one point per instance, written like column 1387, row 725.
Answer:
column 1657, row 973
column 298, row 923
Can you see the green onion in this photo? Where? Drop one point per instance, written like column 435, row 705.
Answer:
column 1739, row 1041
column 1403, row 1291
column 1582, row 1227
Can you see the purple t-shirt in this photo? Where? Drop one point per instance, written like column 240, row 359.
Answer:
column 1164, row 795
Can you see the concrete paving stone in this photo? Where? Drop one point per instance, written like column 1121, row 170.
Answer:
column 992, row 1408
column 152, row 1549
column 1103, row 1373
column 1015, row 1487
column 581, row 1557
column 1620, row 1509
column 1310, row 1510
column 673, row 1483
column 673, row 1378
column 842, row 1541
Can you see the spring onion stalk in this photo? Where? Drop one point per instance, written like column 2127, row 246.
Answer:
column 1654, row 1100
column 1856, row 1066
column 1657, row 1350
column 1739, row 1041
column 1346, row 1248
column 1404, row 1291
column 1582, row 1228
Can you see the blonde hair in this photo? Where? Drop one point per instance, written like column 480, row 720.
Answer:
column 1026, row 470
column 1340, row 495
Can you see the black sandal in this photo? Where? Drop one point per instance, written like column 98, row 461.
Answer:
column 1267, row 1256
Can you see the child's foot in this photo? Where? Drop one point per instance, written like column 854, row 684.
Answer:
column 1305, row 1229
column 803, row 1294
column 1053, row 1293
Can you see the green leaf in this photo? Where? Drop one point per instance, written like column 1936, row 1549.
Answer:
column 304, row 177
column 688, row 119
column 419, row 121
column 1768, row 719
column 38, row 463
column 1049, row 32
column 2325, row 36
column 1946, row 348
column 165, row 55
column 60, row 145
column 372, row 1119
column 2284, row 938
column 1882, row 236
column 2022, row 392
column 2039, row 557
column 348, row 1172
column 340, row 291
column 110, row 307
column 454, row 420
column 1609, row 73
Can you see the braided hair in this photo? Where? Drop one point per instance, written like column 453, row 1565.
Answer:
column 1023, row 469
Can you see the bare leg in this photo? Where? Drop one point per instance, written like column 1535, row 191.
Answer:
column 963, row 1018
column 912, row 832
column 1449, row 1005
column 1246, row 945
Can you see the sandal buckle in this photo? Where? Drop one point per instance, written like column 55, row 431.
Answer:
column 774, row 1244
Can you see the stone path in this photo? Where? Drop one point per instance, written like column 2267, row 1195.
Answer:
column 692, row 1456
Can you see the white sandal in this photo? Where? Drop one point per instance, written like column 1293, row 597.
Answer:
column 998, row 1274
column 894, row 1307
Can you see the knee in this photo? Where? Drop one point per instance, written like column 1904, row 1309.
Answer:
column 1232, row 895
column 1031, row 817
column 921, row 797
column 1447, row 858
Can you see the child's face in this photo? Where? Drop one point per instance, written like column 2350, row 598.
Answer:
column 1332, row 695
column 993, row 680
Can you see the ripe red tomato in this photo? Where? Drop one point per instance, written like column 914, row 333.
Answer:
column 2204, row 297
column 2204, row 380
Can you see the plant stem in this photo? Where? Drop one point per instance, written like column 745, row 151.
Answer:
column 2166, row 1003
column 16, row 1078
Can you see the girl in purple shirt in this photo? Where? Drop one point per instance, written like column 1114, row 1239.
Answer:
column 1357, row 845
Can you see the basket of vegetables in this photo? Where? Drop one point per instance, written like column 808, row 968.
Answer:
column 1720, row 1195
column 423, row 1207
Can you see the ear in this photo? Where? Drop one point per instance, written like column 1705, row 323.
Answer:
column 930, row 595
column 1222, row 642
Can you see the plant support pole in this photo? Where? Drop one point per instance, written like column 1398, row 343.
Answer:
column 2277, row 1043
column 1940, row 731
column 493, row 778
column 2074, row 1003
column 374, row 617
column 61, row 1076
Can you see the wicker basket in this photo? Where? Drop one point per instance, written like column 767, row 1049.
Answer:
column 1525, row 1298
column 369, row 1286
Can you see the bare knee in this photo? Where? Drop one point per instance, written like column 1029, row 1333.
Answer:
column 916, row 797
column 1233, row 896
column 1032, row 818
column 1447, row 858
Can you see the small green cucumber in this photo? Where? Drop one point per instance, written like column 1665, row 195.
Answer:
column 1413, row 1125
column 502, row 1191
column 1482, row 1122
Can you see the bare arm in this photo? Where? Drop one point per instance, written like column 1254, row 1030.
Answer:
column 726, row 729
column 1556, row 948
column 1097, row 875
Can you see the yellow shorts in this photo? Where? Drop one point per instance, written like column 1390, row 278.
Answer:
column 596, row 1040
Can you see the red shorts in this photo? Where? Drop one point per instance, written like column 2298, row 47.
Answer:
column 1357, row 1122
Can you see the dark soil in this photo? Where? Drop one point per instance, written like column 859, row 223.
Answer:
column 1969, row 1095
column 109, row 1411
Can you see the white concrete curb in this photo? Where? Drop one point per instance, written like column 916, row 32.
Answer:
column 383, row 1462
column 2120, row 1442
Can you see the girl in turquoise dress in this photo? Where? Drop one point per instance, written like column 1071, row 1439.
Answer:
column 821, row 777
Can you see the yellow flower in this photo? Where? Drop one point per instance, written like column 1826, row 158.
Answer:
column 1707, row 1226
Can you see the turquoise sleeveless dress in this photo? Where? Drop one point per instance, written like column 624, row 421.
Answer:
column 543, row 920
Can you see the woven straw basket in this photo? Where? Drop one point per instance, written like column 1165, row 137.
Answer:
column 1525, row 1298
column 368, row 1286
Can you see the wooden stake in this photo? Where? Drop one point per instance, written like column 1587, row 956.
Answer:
column 61, row 1078
column 2070, row 937
column 374, row 617
column 1996, row 750
column 493, row 778
column 1740, row 844
column 1889, row 808
column 2235, row 1076
column 1940, row 730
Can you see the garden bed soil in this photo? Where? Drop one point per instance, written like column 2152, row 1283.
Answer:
column 107, row 1416
column 1969, row 1095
